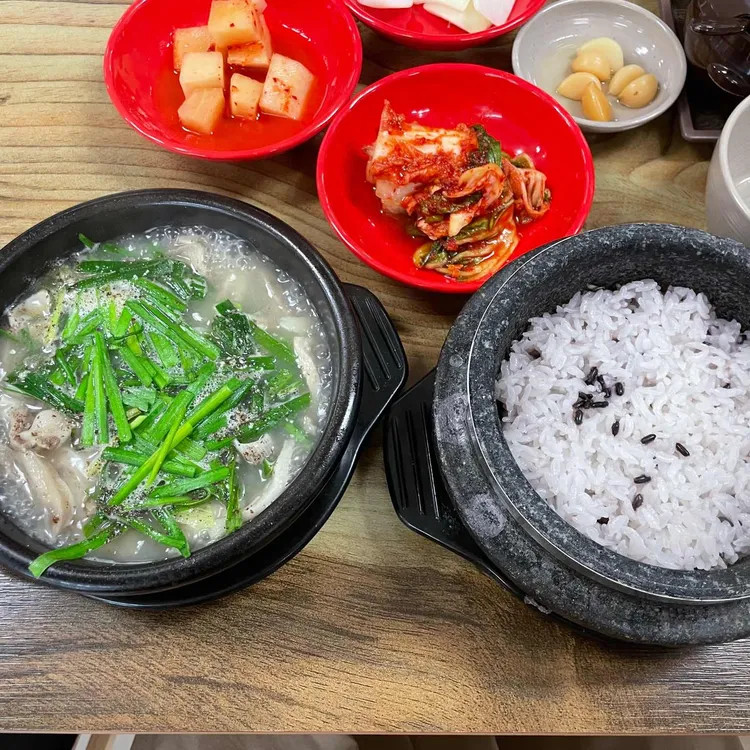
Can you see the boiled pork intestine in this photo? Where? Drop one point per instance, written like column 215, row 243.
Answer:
column 47, row 465
column 460, row 191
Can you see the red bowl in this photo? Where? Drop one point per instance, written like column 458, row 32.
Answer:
column 518, row 114
column 415, row 27
column 146, row 92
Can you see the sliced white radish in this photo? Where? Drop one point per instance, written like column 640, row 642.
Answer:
column 469, row 20
column 458, row 5
column 387, row 4
column 497, row 11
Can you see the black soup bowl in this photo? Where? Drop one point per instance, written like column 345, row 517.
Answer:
column 31, row 254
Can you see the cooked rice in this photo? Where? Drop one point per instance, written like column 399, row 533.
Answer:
column 686, row 379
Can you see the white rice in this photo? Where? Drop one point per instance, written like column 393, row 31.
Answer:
column 675, row 359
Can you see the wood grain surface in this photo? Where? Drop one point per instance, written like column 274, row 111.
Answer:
column 371, row 628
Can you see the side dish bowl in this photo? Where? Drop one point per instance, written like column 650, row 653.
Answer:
column 545, row 47
column 31, row 254
column 728, row 188
column 519, row 115
column 415, row 27
column 143, row 87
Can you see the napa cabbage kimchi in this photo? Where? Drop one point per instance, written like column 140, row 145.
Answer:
column 458, row 190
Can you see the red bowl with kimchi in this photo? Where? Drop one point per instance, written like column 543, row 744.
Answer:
column 415, row 27
column 439, row 176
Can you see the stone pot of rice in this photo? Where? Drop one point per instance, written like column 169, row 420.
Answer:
column 592, row 422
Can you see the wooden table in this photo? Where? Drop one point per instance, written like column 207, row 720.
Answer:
column 371, row 628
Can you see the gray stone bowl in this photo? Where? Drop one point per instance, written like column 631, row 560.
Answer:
column 555, row 564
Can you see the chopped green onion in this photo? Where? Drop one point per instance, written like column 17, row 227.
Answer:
column 133, row 458
column 73, row 551
column 54, row 320
column 204, row 409
column 136, row 364
column 122, row 325
column 87, row 243
column 181, row 403
column 100, row 401
column 183, row 486
column 113, row 391
column 149, row 531
column 139, row 397
column 164, row 349
column 168, row 521
column 161, row 295
column 273, row 417
column 88, row 430
column 298, row 434
column 217, row 445
column 64, row 365
column 89, row 324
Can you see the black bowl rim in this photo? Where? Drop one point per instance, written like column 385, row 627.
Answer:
column 95, row 577
column 490, row 449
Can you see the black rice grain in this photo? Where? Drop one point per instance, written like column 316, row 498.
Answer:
column 578, row 416
column 648, row 439
column 607, row 392
column 603, row 520
column 619, row 389
column 682, row 449
column 615, row 427
column 592, row 376
column 600, row 404
column 600, row 380
column 637, row 501
column 642, row 479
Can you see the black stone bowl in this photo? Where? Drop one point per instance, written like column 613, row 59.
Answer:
column 28, row 256
column 552, row 562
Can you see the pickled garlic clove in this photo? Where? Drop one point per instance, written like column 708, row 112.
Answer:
column 575, row 84
column 595, row 105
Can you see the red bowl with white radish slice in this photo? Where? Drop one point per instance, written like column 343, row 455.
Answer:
column 313, row 45
column 444, row 24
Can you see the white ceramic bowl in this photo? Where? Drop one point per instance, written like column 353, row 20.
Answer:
column 545, row 47
column 728, row 188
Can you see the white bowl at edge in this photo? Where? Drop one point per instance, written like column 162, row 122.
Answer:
column 545, row 47
column 728, row 186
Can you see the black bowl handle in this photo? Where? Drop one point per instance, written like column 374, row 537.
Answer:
column 384, row 364
column 419, row 495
